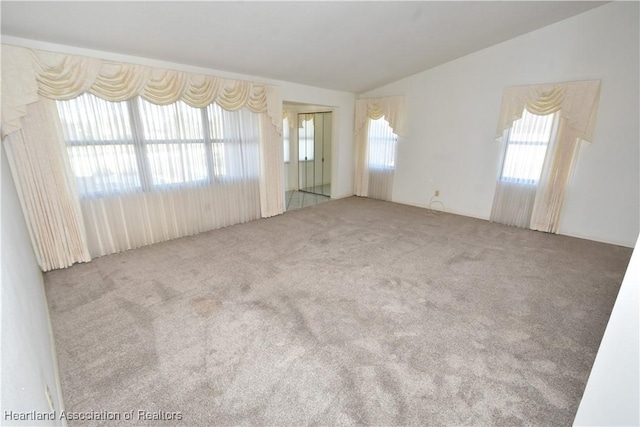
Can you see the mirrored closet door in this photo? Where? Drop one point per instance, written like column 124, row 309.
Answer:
column 314, row 153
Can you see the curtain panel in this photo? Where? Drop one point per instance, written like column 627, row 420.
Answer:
column 392, row 109
column 32, row 78
column 576, row 104
column 46, row 189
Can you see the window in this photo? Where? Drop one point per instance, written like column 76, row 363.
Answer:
column 129, row 146
column 526, row 148
column 100, row 145
column 382, row 145
column 173, row 136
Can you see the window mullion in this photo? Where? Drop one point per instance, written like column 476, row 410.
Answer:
column 206, row 128
column 140, row 145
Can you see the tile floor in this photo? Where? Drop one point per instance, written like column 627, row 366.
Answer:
column 301, row 199
column 319, row 189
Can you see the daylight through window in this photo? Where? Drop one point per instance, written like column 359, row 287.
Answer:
column 134, row 145
column 526, row 148
column 382, row 145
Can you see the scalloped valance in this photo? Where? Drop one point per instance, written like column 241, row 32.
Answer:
column 39, row 161
column 577, row 106
column 391, row 108
column 290, row 116
column 27, row 73
column 304, row 117
column 576, row 101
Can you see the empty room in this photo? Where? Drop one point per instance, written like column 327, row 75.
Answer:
column 320, row 213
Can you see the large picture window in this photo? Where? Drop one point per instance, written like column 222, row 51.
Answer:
column 134, row 145
column 142, row 171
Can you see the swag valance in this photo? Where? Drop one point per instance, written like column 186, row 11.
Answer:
column 366, row 177
column 576, row 101
column 391, row 108
column 27, row 73
column 58, row 219
column 577, row 105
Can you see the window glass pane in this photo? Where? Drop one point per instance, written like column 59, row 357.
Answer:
column 104, row 169
column 100, row 145
column 184, row 159
column 217, row 126
column 219, row 162
column 524, row 162
column 89, row 118
column 177, row 163
column 531, row 128
column 235, row 136
column 170, row 122
column 526, row 148
column 382, row 144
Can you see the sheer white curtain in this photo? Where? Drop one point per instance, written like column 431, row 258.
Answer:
column 378, row 124
column 381, row 158
column 525, row 201
column 524, row 150
column 148, row 173
column 150, row 154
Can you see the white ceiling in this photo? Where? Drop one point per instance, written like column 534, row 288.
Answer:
column 350, row 46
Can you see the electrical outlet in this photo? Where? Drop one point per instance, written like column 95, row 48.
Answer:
column 437, row 193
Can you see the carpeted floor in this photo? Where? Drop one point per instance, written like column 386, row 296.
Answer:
column 354, row 311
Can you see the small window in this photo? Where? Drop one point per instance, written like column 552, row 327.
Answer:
column 382, row 145
column 526, row 148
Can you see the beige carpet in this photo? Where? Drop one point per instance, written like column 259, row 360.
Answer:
column 350, row 312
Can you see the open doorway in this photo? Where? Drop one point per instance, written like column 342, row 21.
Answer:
column 314, row 153
column 308, row 145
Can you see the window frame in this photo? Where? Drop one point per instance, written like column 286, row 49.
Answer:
column 393, row 139
column 215, row 167
column 509, row 142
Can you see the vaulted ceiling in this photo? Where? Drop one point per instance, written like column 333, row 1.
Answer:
column 350, row 46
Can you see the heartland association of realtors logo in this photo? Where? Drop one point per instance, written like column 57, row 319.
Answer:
column 133, row 415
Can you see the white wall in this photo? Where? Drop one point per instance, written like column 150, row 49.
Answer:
column 612, row 395
column 453, row 112
column 341, row 103
column 28, row 359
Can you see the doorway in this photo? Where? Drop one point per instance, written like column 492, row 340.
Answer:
column 314, row 153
